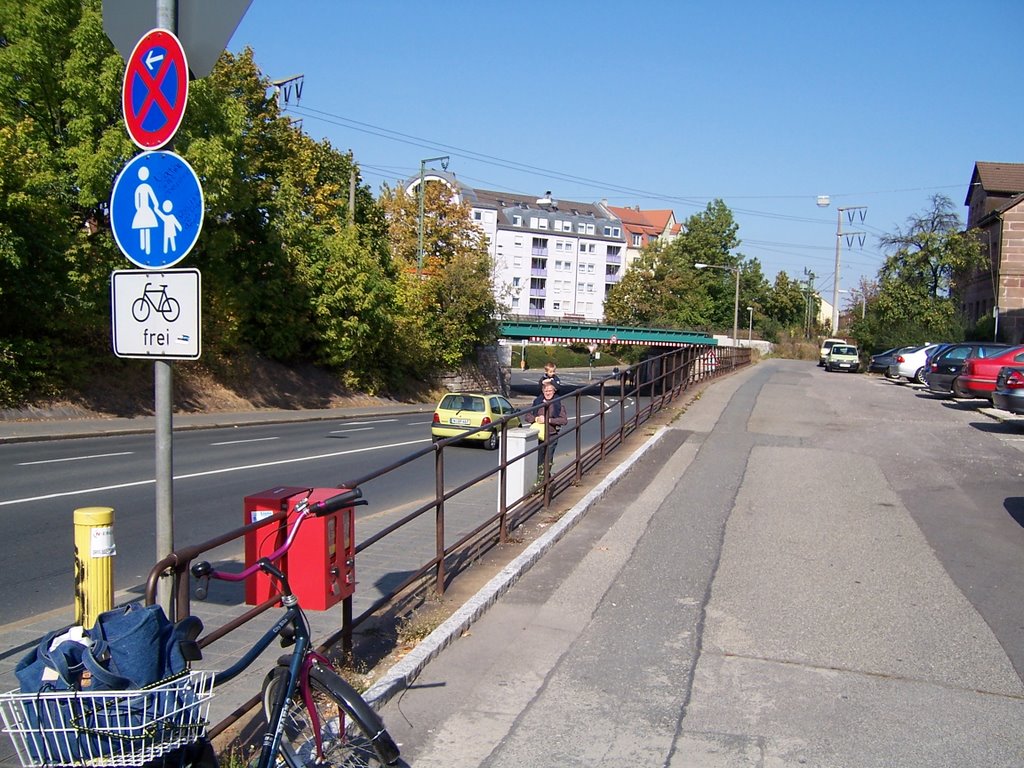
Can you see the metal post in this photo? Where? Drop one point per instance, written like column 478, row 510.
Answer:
column 166, row 18
column 94, row 563
column 736, row 312
column 439, row 522
column 164, row 457
column 423, row 165
column 835, row 277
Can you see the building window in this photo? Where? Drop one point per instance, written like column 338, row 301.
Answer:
column 518, row 242
column 582, row 267
column 542, row 223
column 556, row 305
column 613, row 250
column 591, row 248
column 637, row 240
column 533, row 222
column 478, row 215
column 515, row 302
column 590, row 229
column 515, row 282
column 590, row 268
column 581, row 228
column 616, row 232
column 517, row 220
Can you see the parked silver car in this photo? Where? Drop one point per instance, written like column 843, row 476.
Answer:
column 909, row 363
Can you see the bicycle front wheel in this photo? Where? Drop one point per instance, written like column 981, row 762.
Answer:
column 348, row 737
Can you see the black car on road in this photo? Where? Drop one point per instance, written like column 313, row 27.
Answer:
column 1009, row 392
column 945, row 366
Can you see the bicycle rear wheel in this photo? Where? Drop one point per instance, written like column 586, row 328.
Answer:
column 349, row 737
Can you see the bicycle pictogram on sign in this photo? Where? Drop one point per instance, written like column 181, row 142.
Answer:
column 155, row 89
column 155, row 299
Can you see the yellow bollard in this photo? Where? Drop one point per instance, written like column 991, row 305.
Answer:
column 94, row 563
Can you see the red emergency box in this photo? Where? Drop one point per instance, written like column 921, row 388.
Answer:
column 321, row 562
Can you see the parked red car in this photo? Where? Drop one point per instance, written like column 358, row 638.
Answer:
column 978, row 376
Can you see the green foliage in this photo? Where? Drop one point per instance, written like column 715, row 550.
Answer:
column 289, row 271
column 447, row 303
column 913, row 302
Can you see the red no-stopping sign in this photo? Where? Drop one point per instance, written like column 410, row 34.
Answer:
column 155, row 89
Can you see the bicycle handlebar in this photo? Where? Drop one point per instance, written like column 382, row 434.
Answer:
column 349, row 498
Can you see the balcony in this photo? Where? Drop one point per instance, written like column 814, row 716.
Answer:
column 539, row 271
column 536, row 251
column 613, row 258
column 536, row 312
column 612, row 278
column 541, row 292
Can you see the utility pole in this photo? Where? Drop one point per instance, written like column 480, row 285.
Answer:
column 807, row 306
column 851, row 212
column 423, row 165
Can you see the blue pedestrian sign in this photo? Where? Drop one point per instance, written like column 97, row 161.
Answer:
column 156, row 210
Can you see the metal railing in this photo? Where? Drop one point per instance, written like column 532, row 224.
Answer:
column 651, row 385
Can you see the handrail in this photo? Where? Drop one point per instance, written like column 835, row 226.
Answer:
column 659, row 379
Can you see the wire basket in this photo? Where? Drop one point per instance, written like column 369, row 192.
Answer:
column 108, row 728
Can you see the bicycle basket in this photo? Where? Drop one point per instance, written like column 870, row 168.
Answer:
column 107, row 728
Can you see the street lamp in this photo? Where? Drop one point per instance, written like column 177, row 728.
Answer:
column 750, row 327
column 736, row 302
column 423, row 164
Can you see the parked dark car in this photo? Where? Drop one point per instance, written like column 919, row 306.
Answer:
column 978, row 377
column 944, row 368
column 1009, row 392
column 880, row 363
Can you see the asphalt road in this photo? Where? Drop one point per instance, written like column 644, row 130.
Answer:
column 41, row 483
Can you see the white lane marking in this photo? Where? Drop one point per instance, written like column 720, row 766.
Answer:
column 357, row 429
column 74, row 458
column 225, row 470
column 361, row 423
column 418, row 423
column 253, row 440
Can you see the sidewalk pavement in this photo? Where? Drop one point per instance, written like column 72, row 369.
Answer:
column 704, row 609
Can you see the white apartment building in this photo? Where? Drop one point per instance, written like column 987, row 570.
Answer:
column 552, row 258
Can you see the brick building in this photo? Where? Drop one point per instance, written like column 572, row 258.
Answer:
column 995, row 205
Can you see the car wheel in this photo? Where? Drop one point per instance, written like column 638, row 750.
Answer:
column 492, row 442
column 919, row 376
column 956, row 389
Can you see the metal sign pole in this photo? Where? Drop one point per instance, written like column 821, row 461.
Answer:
column 166, row 18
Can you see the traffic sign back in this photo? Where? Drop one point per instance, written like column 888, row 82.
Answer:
column 155, row 89
column 156, row 209
column 204, row 26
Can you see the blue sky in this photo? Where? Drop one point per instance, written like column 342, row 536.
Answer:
column 670, row 104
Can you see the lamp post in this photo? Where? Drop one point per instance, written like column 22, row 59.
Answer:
column 736, row 301
column 423, row 164
column 750, row 327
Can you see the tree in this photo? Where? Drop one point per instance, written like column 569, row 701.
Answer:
column 914, row 302
column 448, row 307
column 664, row 288
column 931, row 250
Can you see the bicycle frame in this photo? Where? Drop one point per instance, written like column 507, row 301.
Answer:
column 303, row 656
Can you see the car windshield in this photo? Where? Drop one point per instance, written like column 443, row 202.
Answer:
column 844, row 350
column 462, row 403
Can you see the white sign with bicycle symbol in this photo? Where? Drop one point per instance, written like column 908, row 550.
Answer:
column 156, row 313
